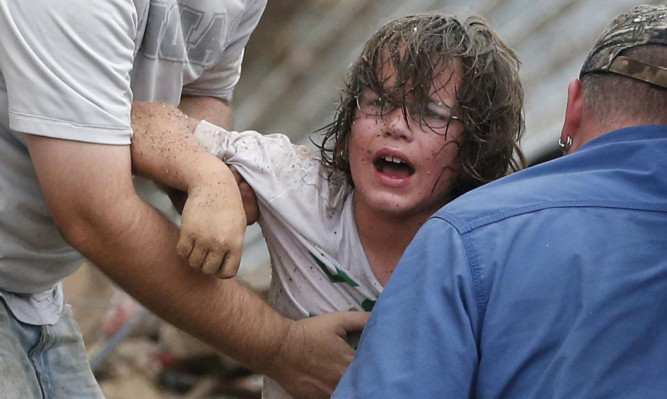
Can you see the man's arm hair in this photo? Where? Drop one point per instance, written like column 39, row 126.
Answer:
column 218, row 112
column 148, row 120
column 213, row 226
column 89, row 191
column 88, row 188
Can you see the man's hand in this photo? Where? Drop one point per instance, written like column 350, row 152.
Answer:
column 213, row 227
column 248, row 196
column 315, row 354
column 213, row 223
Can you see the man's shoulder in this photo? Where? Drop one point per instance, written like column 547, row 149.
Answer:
column 500, row 199
column 623, row 169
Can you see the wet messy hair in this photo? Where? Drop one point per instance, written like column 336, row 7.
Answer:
column 419, row 48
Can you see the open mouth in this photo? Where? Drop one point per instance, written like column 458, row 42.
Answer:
column 393, row 167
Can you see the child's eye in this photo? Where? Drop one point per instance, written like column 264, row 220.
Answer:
column 379, row 102
column 372, row 104
column 437, row 111
column 436, row 115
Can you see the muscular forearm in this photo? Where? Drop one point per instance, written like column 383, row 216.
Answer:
column 306, row 357
column 164, row 149
column 90, row 194
column 221, row 313
column 213, row 224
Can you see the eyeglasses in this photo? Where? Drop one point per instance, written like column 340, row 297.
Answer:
column 435, row 115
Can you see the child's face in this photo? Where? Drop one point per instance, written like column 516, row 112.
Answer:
column 401, row 168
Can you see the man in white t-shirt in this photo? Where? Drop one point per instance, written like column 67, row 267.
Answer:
column 69, row 74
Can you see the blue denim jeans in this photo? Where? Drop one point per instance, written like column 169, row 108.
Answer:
column 44, row 362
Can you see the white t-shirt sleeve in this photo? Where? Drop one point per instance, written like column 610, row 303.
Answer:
column 66, row 67
column 221, row 79
column 271, row 164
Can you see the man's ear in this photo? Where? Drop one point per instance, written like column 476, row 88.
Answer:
column 573, row 111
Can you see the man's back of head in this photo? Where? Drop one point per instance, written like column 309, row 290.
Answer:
column 624, row 76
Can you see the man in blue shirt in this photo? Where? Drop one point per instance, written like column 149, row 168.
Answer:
column 552, row 282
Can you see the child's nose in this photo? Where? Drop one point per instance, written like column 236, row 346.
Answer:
column 397, row 125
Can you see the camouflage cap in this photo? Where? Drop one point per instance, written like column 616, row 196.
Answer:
column 645, row 24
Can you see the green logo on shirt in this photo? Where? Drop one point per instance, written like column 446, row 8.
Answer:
column 339, row 277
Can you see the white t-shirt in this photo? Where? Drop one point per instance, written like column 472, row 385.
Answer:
column 319, row 264
column 70, row 70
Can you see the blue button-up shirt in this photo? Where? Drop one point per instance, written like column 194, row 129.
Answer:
column 549, row 283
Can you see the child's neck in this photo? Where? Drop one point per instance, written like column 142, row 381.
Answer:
column 384, row 239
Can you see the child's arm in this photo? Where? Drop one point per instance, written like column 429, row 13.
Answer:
column 213, row 222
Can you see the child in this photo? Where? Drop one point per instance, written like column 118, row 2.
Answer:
column 432, row 108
